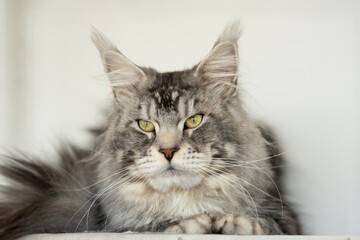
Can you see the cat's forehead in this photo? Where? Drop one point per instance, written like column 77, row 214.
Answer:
column 169, row 97
column 171, row 81
column 167, row 89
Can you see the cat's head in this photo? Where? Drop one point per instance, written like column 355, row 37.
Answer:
column 174, row 129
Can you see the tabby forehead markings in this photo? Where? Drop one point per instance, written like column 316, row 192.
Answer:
column 181, row 107
column 166, row 99
column 144, row 111
column 152, row 109
column 174, row 95
column 190, row 107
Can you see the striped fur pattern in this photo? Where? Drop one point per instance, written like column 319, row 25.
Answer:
column 223, row 178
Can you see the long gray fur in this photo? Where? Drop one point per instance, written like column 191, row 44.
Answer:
column 227, row 166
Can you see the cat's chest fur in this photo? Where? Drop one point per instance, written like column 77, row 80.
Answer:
column 135, row 205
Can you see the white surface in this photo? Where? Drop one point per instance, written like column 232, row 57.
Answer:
column 119, row 236
column 300, row 64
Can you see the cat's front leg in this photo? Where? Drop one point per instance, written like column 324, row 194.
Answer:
column 198, row 224
column 237, row 225
column 228, row 224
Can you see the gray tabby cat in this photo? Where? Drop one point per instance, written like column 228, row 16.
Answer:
column 179, row 154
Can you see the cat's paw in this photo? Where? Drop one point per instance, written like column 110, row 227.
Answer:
column 198, row 224
column 237, row 225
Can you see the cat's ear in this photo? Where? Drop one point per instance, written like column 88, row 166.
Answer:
column 219, row 70
column 124, row 75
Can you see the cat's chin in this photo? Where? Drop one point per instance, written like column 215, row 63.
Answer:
column 174, row 179
column 170, row 172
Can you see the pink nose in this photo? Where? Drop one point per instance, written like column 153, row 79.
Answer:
column 168, row 153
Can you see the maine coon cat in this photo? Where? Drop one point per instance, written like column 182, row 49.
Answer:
column 178, row 153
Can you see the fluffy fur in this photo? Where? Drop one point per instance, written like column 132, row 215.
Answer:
column 223, row 177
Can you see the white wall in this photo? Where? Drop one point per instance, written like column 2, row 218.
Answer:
column 300, row 64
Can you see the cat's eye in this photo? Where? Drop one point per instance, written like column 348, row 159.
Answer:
column 193, row 121
column 146, row 126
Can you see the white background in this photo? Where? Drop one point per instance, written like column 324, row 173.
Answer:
column 300, row 63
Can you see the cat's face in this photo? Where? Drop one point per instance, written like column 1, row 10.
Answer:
column 173, row 130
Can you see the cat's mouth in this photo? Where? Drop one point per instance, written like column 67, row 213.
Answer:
column 173, row 177
column 171, row 171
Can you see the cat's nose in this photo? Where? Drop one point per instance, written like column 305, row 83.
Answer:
column 168, row 153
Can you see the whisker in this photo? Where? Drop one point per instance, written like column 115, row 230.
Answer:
column 82, row 187
column 93, row 184
column 102, row 194
column 94, row 196
column 256, row 186
column 112, row 140
column 114, row 204
column 277, row 189
column 78, row 212
column 237, row 184
column 101, row 153
column 245, row 165
column 252, row 161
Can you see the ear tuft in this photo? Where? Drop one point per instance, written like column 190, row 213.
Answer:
column 219, row 70
column 231, row 33
column 124, row 75
column 101, row 42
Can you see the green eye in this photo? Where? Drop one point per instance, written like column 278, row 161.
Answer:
column 146, row 126
column 193, row 121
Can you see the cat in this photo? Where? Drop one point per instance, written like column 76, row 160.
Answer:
column 178, row 154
